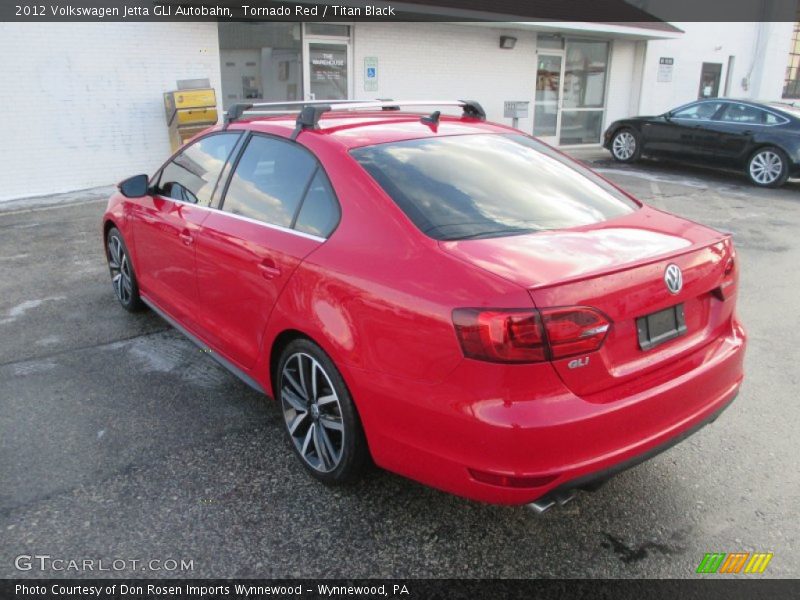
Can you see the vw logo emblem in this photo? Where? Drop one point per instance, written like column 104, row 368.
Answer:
column 673, row 278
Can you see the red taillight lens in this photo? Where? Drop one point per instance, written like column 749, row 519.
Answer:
column 500, row 335
column 574, row 330
column 727, row 288
column 518, row 336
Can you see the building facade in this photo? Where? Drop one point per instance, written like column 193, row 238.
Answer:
column 83, row 101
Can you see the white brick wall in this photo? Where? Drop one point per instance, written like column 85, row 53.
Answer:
column 442, row 61
column 82, row 103
column 763, row 60
column 622, row 91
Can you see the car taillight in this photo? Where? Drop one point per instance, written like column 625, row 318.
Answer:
column 574, row 330
column 727, row 287
column 500, row 335
column 521, row 336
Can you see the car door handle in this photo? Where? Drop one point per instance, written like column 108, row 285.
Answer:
column 186, row 237
column 747, row 132
column 268, row 268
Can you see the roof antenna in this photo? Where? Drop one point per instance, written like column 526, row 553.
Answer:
column 432, row 119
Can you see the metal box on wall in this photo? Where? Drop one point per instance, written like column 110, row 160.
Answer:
column 188, row 112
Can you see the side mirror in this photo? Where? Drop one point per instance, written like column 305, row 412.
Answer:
column 135, row 186
column 668, row 115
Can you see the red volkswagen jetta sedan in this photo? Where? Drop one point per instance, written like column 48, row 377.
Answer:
column 449, row 298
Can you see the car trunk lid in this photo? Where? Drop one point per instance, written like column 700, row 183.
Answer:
column 619, row 269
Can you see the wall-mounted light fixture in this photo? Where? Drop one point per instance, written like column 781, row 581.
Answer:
column 507, row 42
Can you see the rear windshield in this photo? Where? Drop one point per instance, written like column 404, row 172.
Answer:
column 489, row 185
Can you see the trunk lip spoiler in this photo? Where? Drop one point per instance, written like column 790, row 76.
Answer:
column 633, row 264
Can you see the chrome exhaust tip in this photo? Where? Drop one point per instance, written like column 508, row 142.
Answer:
column 545, row 503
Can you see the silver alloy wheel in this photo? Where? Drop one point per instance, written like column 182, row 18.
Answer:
column 766, row 167
column 312, row 412
column 120, row 269
column 624, row 145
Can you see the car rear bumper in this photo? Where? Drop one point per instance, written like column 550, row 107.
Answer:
column 522, row 423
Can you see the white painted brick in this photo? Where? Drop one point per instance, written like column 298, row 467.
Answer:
column 82, row 103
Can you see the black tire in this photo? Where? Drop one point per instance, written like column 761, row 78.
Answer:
column 331, row 457
column 621, row 143
column 123, row 277
column 765, row 173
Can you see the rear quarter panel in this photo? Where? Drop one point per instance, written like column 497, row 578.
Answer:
column 378, row 295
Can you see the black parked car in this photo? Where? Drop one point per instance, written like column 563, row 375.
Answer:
column 762, row 139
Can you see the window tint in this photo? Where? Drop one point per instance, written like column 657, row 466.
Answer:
column 192, row 175
column 489, row 185
column 320, row 211
column 269, row 181
column 699, row 111
column 742, row 113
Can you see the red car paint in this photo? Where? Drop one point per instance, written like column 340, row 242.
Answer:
column 378, row 296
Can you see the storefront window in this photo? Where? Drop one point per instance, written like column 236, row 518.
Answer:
column 585, row 74
column 260, row 61
column 331, row 29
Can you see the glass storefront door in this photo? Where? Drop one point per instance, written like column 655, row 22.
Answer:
column 327, row 75
column 569, row 104
column 584, row 92
column 547, row 102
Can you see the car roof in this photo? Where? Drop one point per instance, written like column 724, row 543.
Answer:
column 353, row 129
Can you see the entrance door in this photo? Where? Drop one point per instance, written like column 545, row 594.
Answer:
column 710, row 76
column 328, row 75
column 547, row 102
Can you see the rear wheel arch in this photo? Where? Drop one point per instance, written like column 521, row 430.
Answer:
column 281, row 341
column 108, row 225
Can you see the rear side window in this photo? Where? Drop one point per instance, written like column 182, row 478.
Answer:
column 270, row 181
column 771, row 119
column 489, row 185
column 742, row 113
column 319, row 214
column 192, row 175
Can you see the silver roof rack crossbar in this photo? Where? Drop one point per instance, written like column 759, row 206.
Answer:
column 310, row 111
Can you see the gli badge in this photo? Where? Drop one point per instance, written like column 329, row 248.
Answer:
column 673, row 278
column 578, row 362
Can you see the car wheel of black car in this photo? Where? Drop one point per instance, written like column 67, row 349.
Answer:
column 123, row 278
column 768, row 167
column 625, row 146
column 321, row 419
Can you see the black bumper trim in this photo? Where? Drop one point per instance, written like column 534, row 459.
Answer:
column 594, row 480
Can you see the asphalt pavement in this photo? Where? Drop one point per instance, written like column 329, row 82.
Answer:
column 120, row 440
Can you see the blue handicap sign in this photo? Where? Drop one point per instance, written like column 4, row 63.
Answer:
column 372, row 72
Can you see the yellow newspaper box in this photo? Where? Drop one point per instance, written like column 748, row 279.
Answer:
column 188, row 112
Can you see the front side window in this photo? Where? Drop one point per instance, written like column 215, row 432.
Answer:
column 489, row 185
column 192, row 175
column 702, row 111
column 281, row 183
column 742, row 113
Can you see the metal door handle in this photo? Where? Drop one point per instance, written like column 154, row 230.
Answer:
column 186, row 237
column 268, row 269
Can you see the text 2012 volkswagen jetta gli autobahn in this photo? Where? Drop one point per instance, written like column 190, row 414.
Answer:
column 452, row 298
